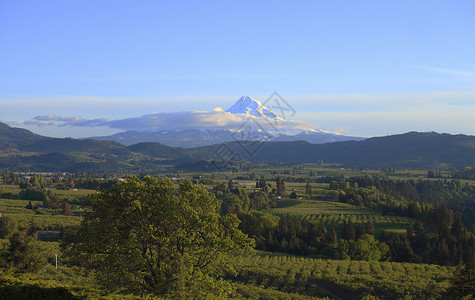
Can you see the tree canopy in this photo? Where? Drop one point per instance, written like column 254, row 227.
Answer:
column 148, row 236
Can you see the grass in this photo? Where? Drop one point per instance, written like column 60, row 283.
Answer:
column 73, row 193
column 17, row 210
column 393, row 230
column 317, row 207
column 7, row 188
column 347, row 279
column 333, row 214
column 16, row 207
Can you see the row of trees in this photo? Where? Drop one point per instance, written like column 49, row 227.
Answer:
column 445, row 230
column 442, row 237
column 434, row 241
column 414, row 199
column 300, row 236
column 57, row 181
column 467, row 173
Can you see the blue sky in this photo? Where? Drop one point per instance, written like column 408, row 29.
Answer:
column 362, row 68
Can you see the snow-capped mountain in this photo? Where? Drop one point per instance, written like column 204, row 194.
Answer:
column 247, row 106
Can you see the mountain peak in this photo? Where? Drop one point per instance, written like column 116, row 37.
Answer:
column 247, row 105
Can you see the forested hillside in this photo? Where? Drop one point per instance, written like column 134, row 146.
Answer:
column 21, row 150
column 410, row 150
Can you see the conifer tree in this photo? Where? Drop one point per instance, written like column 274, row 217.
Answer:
column 308, row 190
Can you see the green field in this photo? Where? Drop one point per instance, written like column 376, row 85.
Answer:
column 315, row 207
column 42, row 220
column 335, row 213
column 345, row 279
column 261, row 275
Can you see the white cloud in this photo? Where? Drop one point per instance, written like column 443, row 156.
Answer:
column 51, row 120
column 178, row 120
column 217, row 118
column 349, row 114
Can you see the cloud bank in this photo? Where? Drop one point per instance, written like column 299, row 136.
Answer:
column 350, row 114
column 215, row 119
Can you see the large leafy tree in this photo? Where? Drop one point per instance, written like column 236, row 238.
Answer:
column 364, row 248
column 148, row 236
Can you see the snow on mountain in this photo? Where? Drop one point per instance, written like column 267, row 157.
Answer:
column 248, row 106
